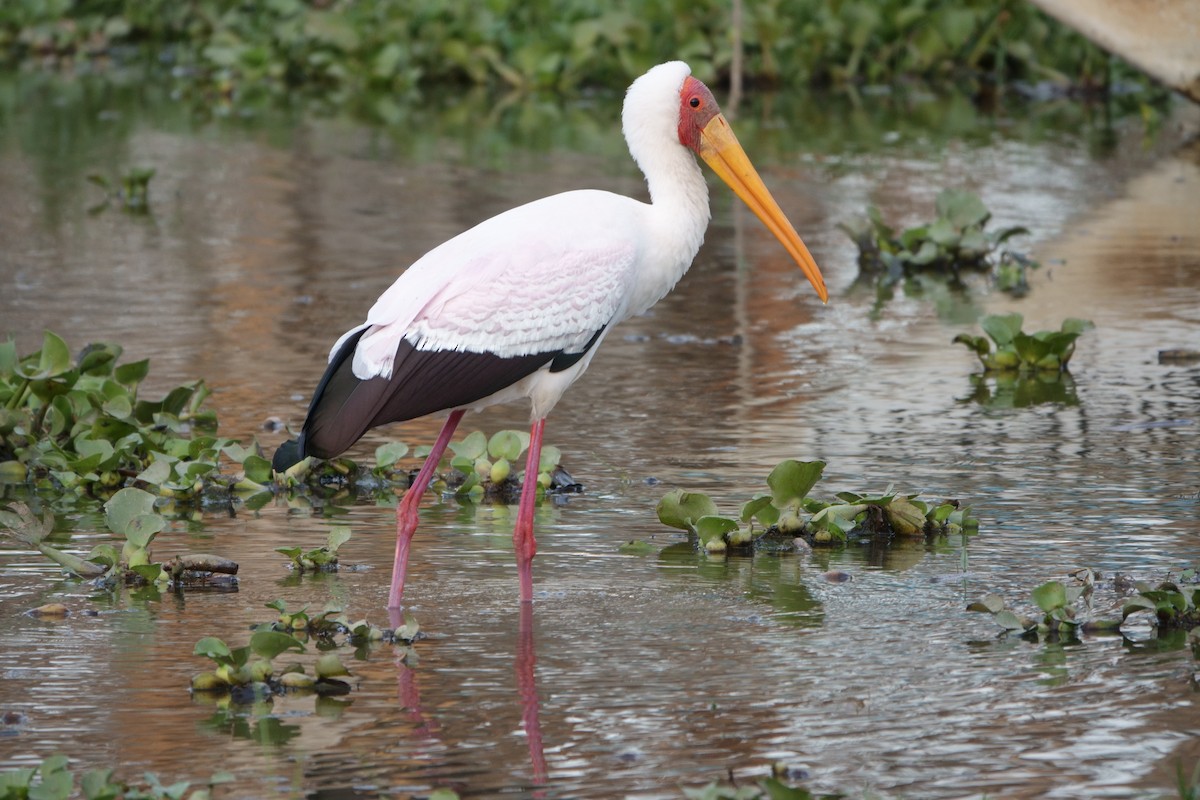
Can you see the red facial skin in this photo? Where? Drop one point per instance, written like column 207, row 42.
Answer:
column 697, row 107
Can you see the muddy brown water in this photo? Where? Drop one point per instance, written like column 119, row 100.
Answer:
column 635, row 676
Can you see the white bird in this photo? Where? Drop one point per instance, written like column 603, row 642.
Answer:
column 514, row 308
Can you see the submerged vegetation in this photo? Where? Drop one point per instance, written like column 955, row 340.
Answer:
column 773, row 521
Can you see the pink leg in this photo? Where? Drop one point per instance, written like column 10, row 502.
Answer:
column 406, row 512
column 523, row 542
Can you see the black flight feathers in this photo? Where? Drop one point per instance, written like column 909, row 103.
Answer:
column 423, row 382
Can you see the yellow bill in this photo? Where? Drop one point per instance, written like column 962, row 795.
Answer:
column 720, row 150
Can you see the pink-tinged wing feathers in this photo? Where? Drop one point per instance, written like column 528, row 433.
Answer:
column 540, row 278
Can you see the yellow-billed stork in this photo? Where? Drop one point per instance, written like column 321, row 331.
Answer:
column 515, row 307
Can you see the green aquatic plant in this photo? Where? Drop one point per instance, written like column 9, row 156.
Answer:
column 956, row 241
column 79, row 424
column 129, row 514
column 481, row 468
column 772, row 520
column 52, row 779
column 76, row 427
column 1022, row 353
column 1067, row 608
column 249, row 672
column 1175, row 603
column 332, row 623
column 762, row 789
column 321, row 559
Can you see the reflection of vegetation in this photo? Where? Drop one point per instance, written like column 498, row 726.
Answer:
column 1010, row 390
column 772, row 521
column 774, row 580
column 52, row 780
column 132, row 191
column 228, row 47
column 954, row 242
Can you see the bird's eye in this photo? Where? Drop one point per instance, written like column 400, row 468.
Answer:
column 694, row 102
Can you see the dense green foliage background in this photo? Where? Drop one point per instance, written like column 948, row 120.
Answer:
column 397, row 45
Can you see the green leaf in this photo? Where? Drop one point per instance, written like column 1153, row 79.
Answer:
column 961, row 208
column 257, row 468
column 118, row 407
column 8, row 358
column 792, row 480
column 505, row 444
column 472, row 447
column 681, row 508
column 97, row 784
column 1009, row 621
column 1002, row 327
column 338, row 536
column 211, row 647
column 269, row 644
column 291, row 552
column 1076, row 326
column 159, row 471
column 777, row 790
column 1050, row 596
column 53, row 359
column 388, row 454
column 926, row 254
column 711, row 527
column 990, row 604
column 133, row 373
column 1031, row 349
column 142, row 529
column 760, row 508
column 636, row 547
column 148, row 572
column 944, row 234
column 125, row 505
column 551, row 457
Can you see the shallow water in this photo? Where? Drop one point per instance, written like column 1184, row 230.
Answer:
column 635, row 675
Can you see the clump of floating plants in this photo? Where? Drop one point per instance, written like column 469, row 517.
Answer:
column 53, row 780
column 76, row 427
column 130, row 514
column 1068, row 608
column 320, row 559
column 772, row 788
column 956, row 241
column 250, row 673
column 1015, row 351
column 772, row 521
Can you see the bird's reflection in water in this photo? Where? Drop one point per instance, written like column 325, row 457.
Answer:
column 525, row 666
